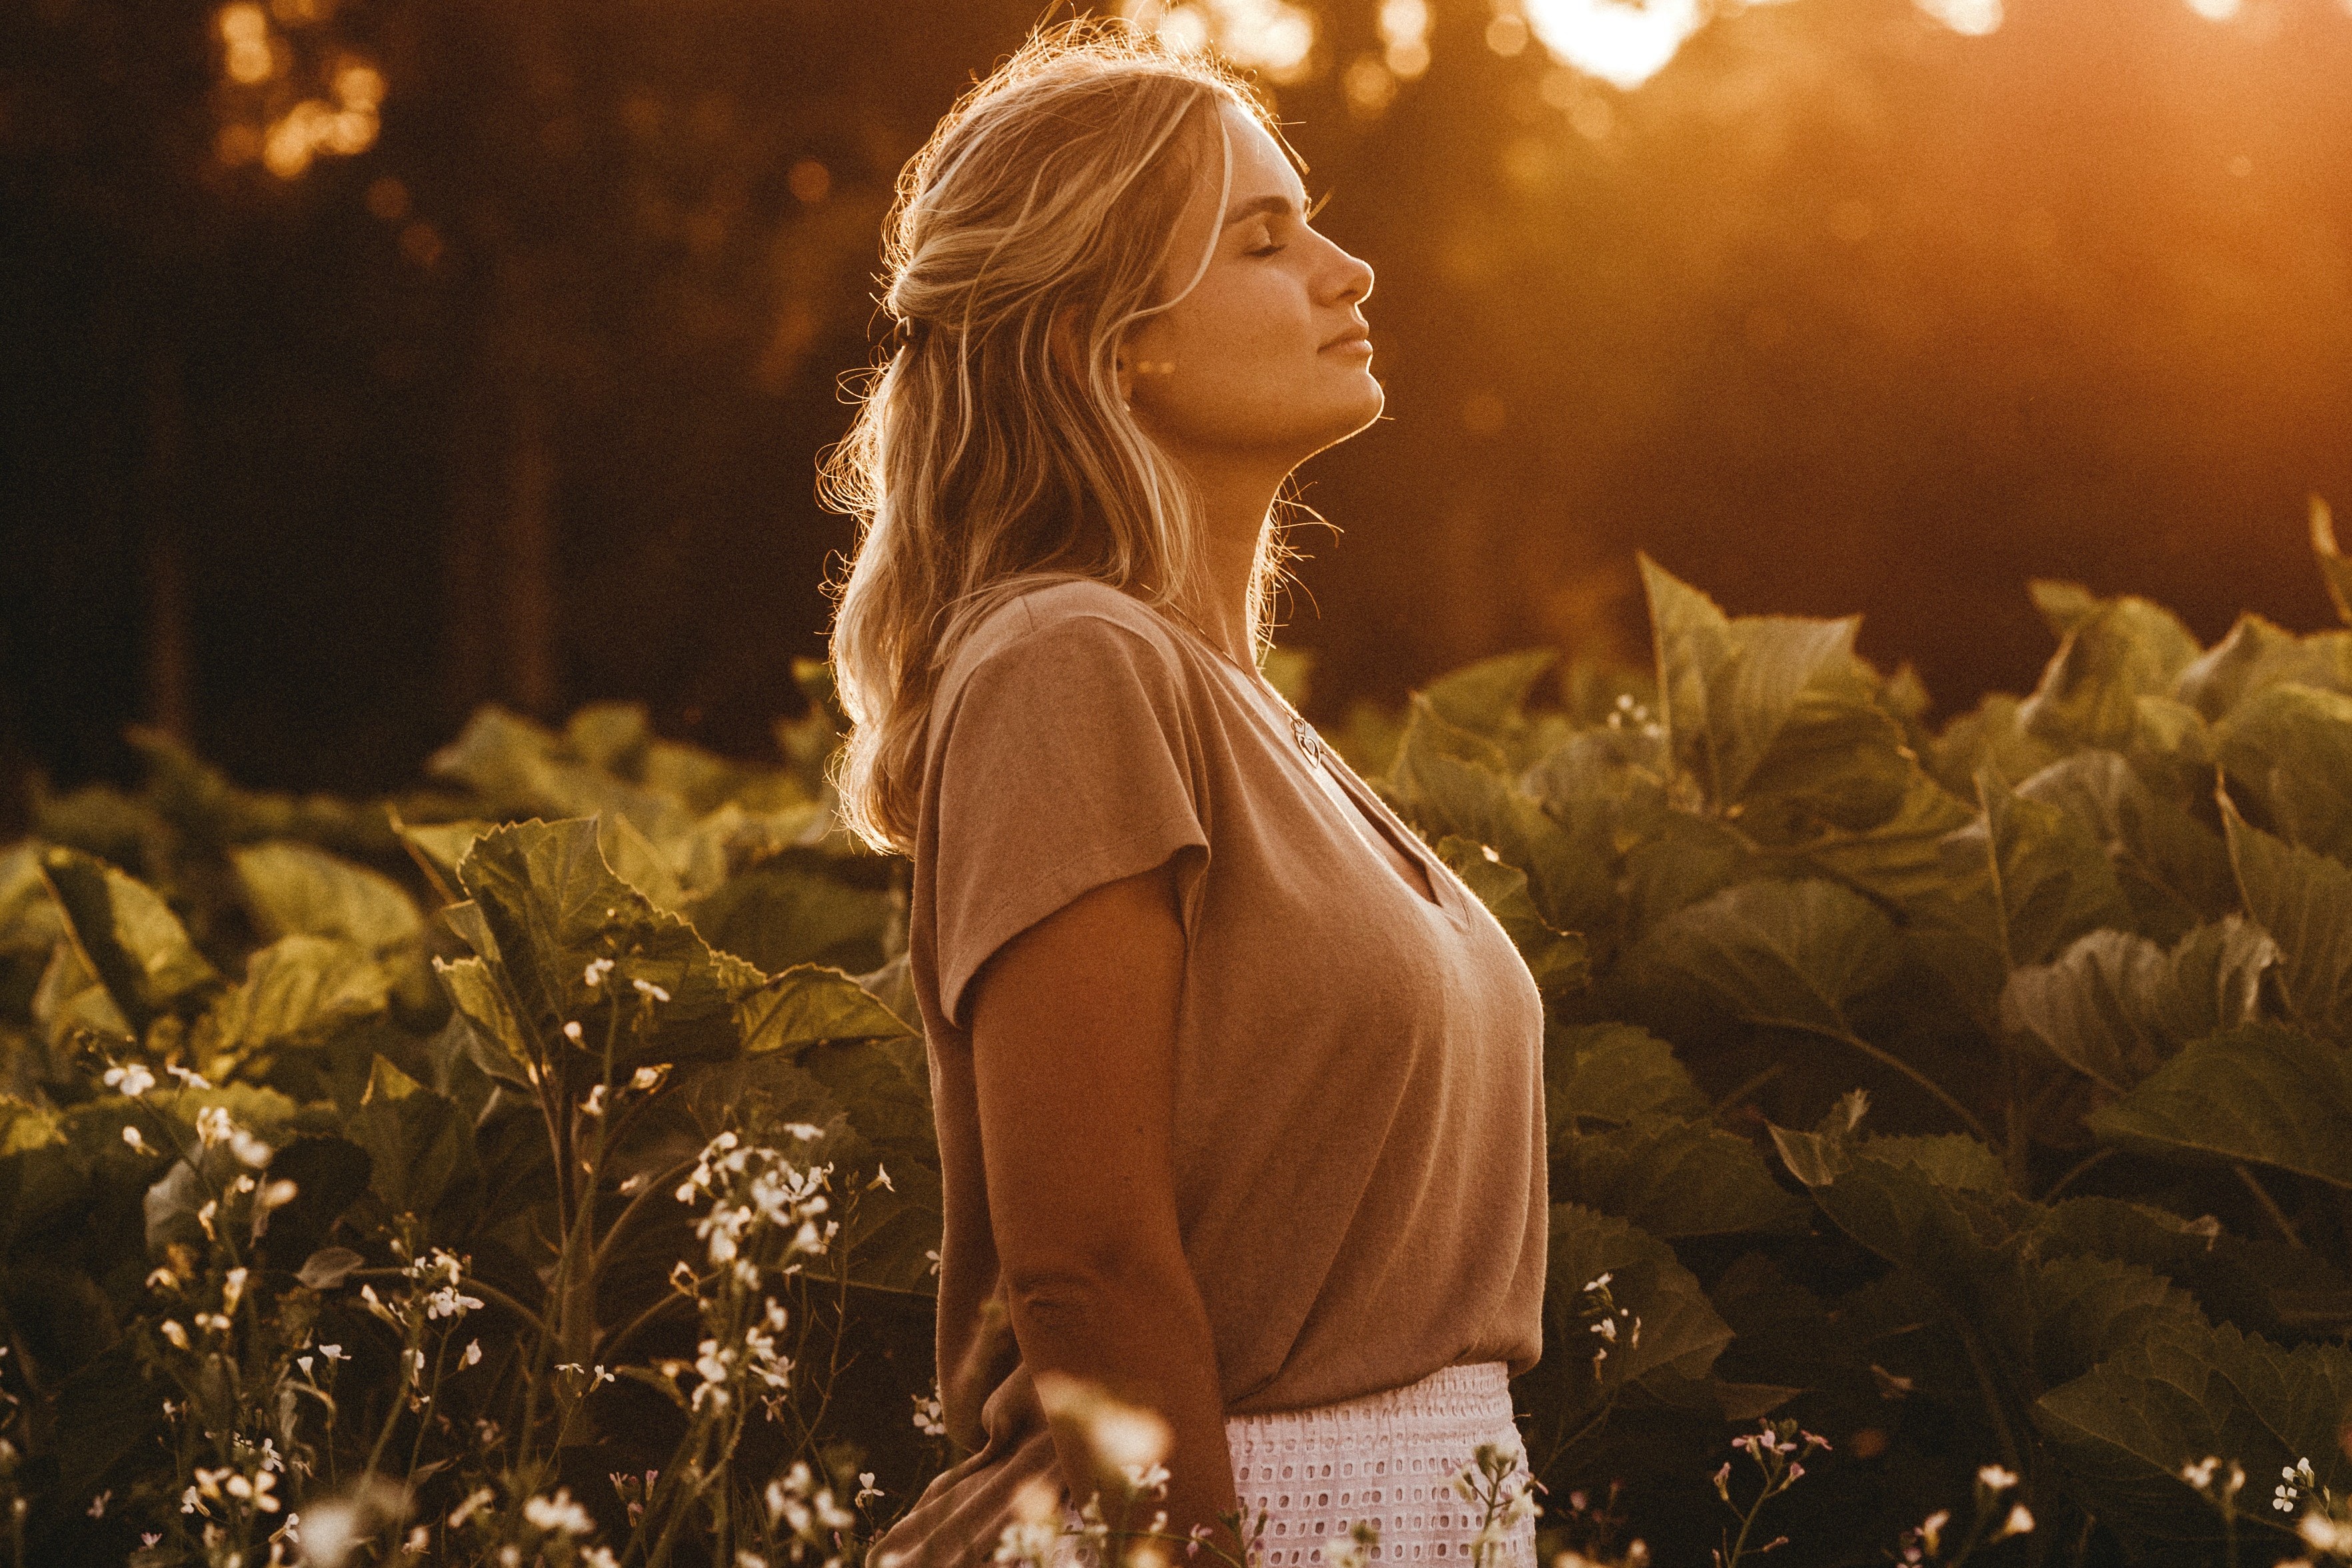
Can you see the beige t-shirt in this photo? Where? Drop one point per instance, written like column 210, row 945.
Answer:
column 1358, row 1098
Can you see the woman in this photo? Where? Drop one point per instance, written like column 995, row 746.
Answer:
column 1238, row 1088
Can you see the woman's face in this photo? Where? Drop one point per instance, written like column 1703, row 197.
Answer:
column 1266, row 362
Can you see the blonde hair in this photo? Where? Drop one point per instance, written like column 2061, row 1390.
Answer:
column 982, row 461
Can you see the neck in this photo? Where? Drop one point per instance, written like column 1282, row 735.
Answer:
column 1234, row 500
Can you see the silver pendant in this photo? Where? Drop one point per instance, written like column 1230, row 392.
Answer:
column 1309, row 741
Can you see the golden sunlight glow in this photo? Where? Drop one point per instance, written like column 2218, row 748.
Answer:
column 311, row 127
column 1974, row 18
column 1404, row 37
column 1624, row 45
column 246, row 31
column 2214, row 10
column 361, row 86
column 1271, row 35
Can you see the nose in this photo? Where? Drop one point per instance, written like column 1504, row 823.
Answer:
column 1351, row 277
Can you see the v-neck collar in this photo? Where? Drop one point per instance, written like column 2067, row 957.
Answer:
column 1371, row 810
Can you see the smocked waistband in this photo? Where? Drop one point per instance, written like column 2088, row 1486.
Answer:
column 1473, row 1396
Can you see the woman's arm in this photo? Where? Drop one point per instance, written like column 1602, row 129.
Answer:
column 1073, row 1030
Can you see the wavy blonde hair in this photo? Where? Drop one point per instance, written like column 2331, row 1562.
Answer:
column 993, row 451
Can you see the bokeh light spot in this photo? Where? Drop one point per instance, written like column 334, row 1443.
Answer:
column 387, row 200
column 2215, row 10
column 1971, row 18
column 1622, row 44
column 1369, row 85
column 1506, row 34
column 810, row 181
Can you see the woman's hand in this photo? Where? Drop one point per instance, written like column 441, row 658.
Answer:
column 1072, row 1032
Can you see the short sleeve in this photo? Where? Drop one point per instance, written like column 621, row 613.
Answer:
column 1067, row 761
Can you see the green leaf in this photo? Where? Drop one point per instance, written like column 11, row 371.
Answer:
column 2113, row 652
column 1449, row 781
column 295, row 889
column 1485, row 698
column 296, row 991
column 2182, row 1391
column 1556, row 958
column 553, row 906
column 104, row 1411
column 804, row 907
column 68, row 1000
column 1681, row 1334
column 2173, row 870
column 1938, row 1206
column 2026, row 878
column 1773, row 714
column 1612, row 1073
column 495, row 1039
column 1673, row 1178
column 637, row 861
column 419, row 1142
column 444, row 844
column 136, row 946
column 2333, row 567
column 2258, row 654
column 2114, row 1006
column 809, row 1003
column 2259, row 1092
column 1901, row 860
column 2290, row 749
column 2054, row 1320
column 2304, row 901
column 1787, row 955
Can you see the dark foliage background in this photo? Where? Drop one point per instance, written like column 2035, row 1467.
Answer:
column 1839, row 311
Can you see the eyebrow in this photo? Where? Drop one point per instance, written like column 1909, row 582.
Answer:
column 1281, row 206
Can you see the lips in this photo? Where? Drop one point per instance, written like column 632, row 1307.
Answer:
column 1359, row 339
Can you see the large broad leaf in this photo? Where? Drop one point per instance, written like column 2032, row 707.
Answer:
column 2179, row 1393
column 1555, row 958
column 554, row 906
column 298, row 990
column 2257, row 655
column 1901, row 860
column 1673, row 1178
column 2333, row 567
column 2304, row 901
column 2114, row 1006
column 810, row 1004
column 2260, row 1093
column 1485, row 698
column 2173, row 869
column 136, row 946
column 2290, row 749
column 804, row 907
column 2114, row 652
column 1938, row 1206
column 296, row 889
column 2026, row 878
column 495, row 1040
column 1448, row 781
column 1783, row 953
column 1773, row 715
column 1680, row 1334
column 419, row 1142
column 2054, row 1320
column 69, row 1002
column 1609, row 1074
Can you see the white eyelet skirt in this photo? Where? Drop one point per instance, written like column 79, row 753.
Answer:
column 1387, row 1457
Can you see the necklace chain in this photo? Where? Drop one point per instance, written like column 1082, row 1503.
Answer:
column 1310, row 743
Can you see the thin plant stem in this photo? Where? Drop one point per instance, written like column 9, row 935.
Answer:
column 2080, row 1167
column 1887, row 1059
column 2270, row 1204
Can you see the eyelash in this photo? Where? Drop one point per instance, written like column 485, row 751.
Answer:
column 1269, row 248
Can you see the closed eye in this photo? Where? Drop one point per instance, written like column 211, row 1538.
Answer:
column 1271, row 247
